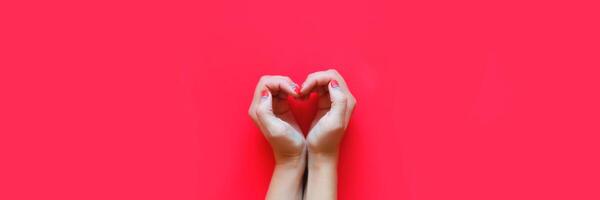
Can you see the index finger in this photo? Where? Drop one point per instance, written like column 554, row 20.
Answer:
column 276, row 85
column 322, row 79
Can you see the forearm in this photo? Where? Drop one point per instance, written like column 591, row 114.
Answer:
column 286, row 182
column 322, row 176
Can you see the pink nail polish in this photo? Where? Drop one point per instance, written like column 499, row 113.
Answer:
column 334, row 84
column 297, row 89
column 264, row 94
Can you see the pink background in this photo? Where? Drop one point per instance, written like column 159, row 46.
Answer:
column 148, row 100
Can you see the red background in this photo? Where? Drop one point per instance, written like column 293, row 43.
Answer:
column 148, row 100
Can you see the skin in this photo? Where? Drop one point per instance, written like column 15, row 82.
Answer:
column 293, row 153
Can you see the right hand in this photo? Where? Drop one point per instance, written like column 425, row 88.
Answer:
column 335, row 107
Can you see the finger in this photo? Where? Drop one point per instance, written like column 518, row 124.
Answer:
column 279, row 85
column 264, row 112
column 320, row 79
column 274, row 84
column 339, row 99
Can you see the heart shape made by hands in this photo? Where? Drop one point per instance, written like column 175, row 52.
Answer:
column 304, row 110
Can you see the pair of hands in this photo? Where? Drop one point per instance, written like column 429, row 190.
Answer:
column 271, row 113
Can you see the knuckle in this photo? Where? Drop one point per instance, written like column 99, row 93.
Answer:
column 260, row 112
column 352, row 100
column 316, row 74
column 281, row 77
column 286, row 79
column 343, row 99
column 265, row 77
column 351, row 107
column 251, row 113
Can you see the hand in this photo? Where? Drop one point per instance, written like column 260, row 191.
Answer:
column 335, row 106
column 270, row 111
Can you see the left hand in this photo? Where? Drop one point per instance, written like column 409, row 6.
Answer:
column 271, row 113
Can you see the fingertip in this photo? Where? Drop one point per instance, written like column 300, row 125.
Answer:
column 336, row 91
column 265, row 94
column 334, row 84
column 306, row 87
column 297, row 89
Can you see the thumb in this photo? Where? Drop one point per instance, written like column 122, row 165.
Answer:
column 265, row 103
column 339, row 99
column 264, row 111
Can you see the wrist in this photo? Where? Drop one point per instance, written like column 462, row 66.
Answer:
column 290, row 170
column 323, row 160
column 287, row 180
column 322, row 176
column 290, row 163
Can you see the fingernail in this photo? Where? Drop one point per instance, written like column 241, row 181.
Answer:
column 296, row 88
column 264, row 94
column 334, row 84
